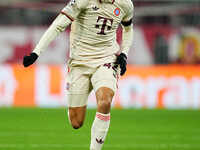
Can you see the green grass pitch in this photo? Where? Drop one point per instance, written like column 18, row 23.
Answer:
column 49, row 129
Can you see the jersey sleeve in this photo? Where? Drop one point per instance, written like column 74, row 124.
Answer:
column 129, row 12
column 127, row 26
column 58, row 26
column 73, row 8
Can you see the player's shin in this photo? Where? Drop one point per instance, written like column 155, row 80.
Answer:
column 99, row 130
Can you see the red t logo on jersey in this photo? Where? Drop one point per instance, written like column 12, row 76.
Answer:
column 104, row 25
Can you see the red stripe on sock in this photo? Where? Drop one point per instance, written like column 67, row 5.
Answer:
column 104, row 118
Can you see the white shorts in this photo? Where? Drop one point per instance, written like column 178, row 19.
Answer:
column 82, row 79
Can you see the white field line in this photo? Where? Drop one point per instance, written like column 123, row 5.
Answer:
column 161, row 146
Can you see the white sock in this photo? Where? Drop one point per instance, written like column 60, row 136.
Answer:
column 99, row 130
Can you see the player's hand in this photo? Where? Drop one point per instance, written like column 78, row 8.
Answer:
column 122, row 62
column 29, row 60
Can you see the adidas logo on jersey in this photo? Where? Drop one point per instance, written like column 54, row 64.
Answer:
column 95, row 8
column 72, row 2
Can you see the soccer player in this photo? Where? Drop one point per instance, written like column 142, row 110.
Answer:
column 95, row 57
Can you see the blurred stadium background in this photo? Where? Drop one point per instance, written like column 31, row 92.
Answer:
column 164, row 57
column 163, row 75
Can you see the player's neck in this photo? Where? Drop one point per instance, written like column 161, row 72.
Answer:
column 107, row 1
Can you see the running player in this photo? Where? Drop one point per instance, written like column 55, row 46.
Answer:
column 95, row 57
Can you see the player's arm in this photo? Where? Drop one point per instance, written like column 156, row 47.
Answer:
column 127, row 38
column 58, row 26
column 64, row 19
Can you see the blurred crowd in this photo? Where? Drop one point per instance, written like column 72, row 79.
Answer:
column 165, row 31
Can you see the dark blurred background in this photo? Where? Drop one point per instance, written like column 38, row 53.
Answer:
column 166, row 31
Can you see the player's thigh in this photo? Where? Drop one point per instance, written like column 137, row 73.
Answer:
column 105, row 76
column 78, row 87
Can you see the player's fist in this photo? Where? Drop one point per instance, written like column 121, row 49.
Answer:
column 29, row 60
column 122, row 62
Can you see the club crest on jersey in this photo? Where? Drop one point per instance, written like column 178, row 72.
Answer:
column 117, row 12
column 67, row 86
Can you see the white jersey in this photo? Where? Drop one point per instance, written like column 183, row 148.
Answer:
column 93, row 31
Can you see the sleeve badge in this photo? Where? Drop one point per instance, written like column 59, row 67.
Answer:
column 117, row 12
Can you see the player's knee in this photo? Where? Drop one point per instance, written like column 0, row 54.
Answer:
column 104, row 99
column 77, row 124
column 104, row 93
column 104, row 104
